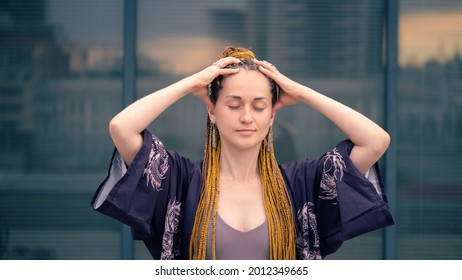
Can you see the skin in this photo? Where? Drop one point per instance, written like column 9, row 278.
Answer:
column 243, row 115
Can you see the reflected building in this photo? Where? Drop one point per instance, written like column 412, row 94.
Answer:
column 56, row 101
column 432, row 102
column 28, row 53
column 50, row 117
column 49, row 108
column 229, row 25
column 71, row 120
column 430, row 121
column 319, row 38
column 316, row 42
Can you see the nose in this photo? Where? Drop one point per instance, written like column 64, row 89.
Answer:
column 246, row 115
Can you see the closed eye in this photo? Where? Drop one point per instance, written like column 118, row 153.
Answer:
column 260, row 105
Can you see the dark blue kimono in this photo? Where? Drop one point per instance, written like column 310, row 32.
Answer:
column 157, row 196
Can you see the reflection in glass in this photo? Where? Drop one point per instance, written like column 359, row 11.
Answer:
column 430, row 101
column 332, row 46
column 60, row 82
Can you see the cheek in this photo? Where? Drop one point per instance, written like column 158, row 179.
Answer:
column 270, row 119
column 265, row 123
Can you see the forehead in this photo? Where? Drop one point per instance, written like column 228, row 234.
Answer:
column 247, row 83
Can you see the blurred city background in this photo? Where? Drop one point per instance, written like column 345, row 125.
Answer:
column 64, row 73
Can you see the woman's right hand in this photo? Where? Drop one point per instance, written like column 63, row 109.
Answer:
column 125, row 127
column 203, row 78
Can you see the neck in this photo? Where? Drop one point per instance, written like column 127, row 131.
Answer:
column 239, row 165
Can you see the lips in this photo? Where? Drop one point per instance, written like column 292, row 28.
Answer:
column 246, row 131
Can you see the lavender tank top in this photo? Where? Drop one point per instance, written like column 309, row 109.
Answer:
column 232, row 244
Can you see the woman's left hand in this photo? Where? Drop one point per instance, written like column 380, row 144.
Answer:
column 290, row 90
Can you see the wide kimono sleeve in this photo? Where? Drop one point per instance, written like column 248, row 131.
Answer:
column 148, row 194
column 334, row 202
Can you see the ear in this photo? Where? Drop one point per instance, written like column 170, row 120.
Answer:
column 273, row 116
column 211, row 112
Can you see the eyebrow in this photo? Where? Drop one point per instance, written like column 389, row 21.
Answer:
column 240, row 98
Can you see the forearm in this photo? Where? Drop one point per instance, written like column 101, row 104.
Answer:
column 140, row 114
column 358, row 128
column 371, row 140
column 125, row 127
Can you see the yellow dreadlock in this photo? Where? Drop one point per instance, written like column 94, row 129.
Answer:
column 278, row 207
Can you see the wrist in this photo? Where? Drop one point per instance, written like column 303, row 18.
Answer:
column 306, row 94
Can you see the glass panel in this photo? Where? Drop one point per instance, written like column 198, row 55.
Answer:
column 60, row 83
column 429, row 223
column 332, row 46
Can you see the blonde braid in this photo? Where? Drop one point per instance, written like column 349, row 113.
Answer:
column 278, row 206
column 208, row 202
column 276, row 199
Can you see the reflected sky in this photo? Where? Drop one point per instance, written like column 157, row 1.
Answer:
column 427, row 29
column 87, row 20
column 427, row 35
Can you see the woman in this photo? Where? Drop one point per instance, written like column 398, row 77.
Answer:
column 238, row 203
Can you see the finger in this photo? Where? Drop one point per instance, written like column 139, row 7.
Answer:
column 226, row 71
column 218, row 64
column 224, row 62
column 223, row 72
column 217, row 68
column 269, row 73
column 266, row 65
column 270, row 65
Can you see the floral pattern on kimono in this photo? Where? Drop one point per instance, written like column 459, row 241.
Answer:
column 157, row 196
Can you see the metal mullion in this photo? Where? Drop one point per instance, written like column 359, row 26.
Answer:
column 391, row 75
column 128, row 96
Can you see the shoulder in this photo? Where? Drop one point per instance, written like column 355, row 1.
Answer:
column 299, row 175
column 299, row 167
column 162, row 162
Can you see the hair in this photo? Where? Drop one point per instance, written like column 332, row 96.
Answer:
column 246, row 56
column 277, row 203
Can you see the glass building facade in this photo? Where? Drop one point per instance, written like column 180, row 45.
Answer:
column 67, row 67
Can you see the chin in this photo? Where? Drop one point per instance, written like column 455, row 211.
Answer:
column 249, row 146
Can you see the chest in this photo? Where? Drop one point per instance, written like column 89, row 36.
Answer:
column 241, row 205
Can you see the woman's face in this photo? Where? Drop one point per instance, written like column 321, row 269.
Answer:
column 243, row 112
